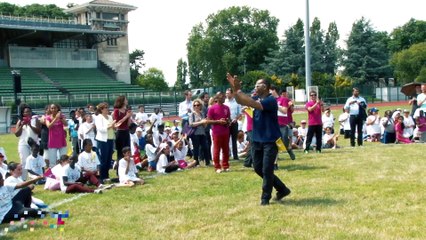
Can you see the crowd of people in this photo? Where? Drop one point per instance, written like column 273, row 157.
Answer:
column 209, row 130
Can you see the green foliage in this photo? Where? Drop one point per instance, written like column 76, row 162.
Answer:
column 410, row 33
column 37, row 10
column 182, row 72
column 234, row 40
column 410, row 64
column 136, row 64
column 367, row 57
column 341, row 85
column 152, row 79
column 250, row 78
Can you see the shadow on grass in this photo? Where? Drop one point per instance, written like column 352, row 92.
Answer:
column 310, row 202
column 297, row 167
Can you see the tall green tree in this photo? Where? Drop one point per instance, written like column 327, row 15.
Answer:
column 366, row 57
column 331, row 49
column 235, row 40
column 199, row 72
column 410, row 33
column 8, row 8
column 317, row 47
column 152, row 79
column 290, row 58
column 182, row 72
column 410, row 64
column 136, row 59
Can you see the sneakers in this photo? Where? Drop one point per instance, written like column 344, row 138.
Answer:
column 318, row 151
column 227, row 170
column 306, row 151
column 218, row 170
column 98, row 191
column 101, row 186
column 281, row 195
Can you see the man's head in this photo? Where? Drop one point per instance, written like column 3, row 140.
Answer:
column 220, row 97
column 229, row 93
column 262, row 87
column 355, row 92
column 274, row 91
column 188, row 95
column 423, row 88
column 205, row 97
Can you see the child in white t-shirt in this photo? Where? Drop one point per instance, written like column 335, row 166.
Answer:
column 329, row 140
column 35, row 164
column 70, row 179
column 163, row 164
column 89, row 163
column 179, row 153
column 127, row 170
column 243, row 145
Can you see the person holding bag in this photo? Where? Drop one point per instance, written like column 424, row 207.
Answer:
column 198, row 123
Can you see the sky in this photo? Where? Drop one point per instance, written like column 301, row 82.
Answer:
column 161, row 27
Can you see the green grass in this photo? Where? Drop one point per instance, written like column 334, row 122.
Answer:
column 375, row 192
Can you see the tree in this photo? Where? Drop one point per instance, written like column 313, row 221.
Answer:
column 331, row 50
column 235, row 40
column 182, row 72
column 404, row 37
column 410, row 64
column 152, row 79
column 317, row 47
column 37, row 10
column 8, row 9
column 136, row 63
column 290, row 58
column 366, row 58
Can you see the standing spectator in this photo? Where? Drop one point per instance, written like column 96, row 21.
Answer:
column 141, row 117
column 265, row 133
column 373, row 125
column 73, row 125
column 105, row 137
column 421, row 100
column 235, row 109
column 88, row 128
column 345, row 126
column 315, row 108
column 388, row 124
column 57, row 144
column 197, row 120
column 356, row 105
column 219, row 116
column 27, row 130
column 413, row 100
column 122, row 117
column 185, row 107
column 421, row 125
column 248, row 118
column 208, row 154
column 285, row 110
column 44, row 134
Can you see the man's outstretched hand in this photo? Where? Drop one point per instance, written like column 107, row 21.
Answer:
column 234, row 82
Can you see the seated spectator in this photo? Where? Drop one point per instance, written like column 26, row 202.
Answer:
column 35, row 164
column 12, row 206
column 127, row 172
column 152, row 152
column 3, row 166
column 409, row 124
column 71, row 176
column 141, row 117
column 302, row 130
column 54, row 175
column 243, row 146
column 327, row 120
column 373, row 125
column 329, row 140
column 421, row 126
column 163, row 164
column 296, row 140
column 89, row 164
column 176, row 126
column 140, row 134
column 180, row 150
column 399, row 130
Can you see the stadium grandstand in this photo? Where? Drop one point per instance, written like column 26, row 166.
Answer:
column 57, row 58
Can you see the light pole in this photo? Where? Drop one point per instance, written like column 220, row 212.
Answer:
column 307, row 51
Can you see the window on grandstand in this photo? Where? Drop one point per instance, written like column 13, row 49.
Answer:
column 110, row 16
column 112, row 42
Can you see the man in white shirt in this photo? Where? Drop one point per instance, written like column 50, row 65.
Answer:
column 356, row 105
column 235, row 110
column 141, row 117
column 185, row 107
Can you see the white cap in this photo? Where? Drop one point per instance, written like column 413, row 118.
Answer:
column 139, row 129
column 163, row 146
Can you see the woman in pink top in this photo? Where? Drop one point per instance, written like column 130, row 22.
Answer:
column 56, row 122
column 315, row 108
column 399, row 129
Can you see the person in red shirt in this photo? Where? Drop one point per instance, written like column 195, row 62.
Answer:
column 315, row 108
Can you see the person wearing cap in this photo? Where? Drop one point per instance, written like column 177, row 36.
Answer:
column 266, row 131
column 302, row 130
column 356, row 105
column 409, row 124
column 373, row 125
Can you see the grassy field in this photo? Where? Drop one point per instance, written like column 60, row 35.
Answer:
column 374, row 192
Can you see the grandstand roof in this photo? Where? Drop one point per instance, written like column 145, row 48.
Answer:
column 100, row 3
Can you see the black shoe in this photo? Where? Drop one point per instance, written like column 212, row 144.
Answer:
column 281, row 195
column 247, row 165
column 292, row 156
column 264, row 202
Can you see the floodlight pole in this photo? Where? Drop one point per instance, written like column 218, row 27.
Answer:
column 307, row 51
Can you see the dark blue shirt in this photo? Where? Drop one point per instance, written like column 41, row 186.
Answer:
column 265, row 122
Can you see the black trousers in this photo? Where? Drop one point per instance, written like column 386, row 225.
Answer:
column 317, row 130
column 233, row 133
column 356, row 122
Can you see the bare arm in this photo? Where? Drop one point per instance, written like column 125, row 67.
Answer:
column 27, row 183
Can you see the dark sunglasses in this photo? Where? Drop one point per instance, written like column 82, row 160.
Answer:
column 197, row 105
